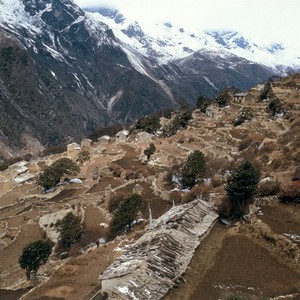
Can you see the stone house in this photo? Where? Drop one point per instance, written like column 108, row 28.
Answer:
column 86, row 143
column 122, row 136
column 73, row 150
column 214, row 111
column 244, row 98
column 239, row 98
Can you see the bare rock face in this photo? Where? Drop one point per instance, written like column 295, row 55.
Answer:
column 150, row 267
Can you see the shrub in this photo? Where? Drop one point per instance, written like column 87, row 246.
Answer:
column 199, row 191
column 268, row 147
column 193, row 169
column 181, row 120
column 150, row 150
column 52, row 175
column 253, row 140
column 236, row 297
column 54, row 150
column 202, row 103
column 224, row 97
column 246, row 113
column 70, row 230
column 3, row 166
column 149, row 124
column 34, row 255
column 115, row 169
column 275, row 106
column 110, row 131
column 83, row 156
column 296, row 175
column 268, row 188
column 241, row 185
column 175, row 197
column 276, row 163
column 290, row 193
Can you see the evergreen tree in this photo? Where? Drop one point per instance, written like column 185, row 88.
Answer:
column 149, row 124
column 241, row 186
column 266, row 92
column 127, row 211
column 193, row 169
column 34, row 255
column 70, row 230
column 52, row 175
column 224, row 97
column 202, row 103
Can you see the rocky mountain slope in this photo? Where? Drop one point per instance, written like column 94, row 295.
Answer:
column 166, row 42
column 262, row 250
column 64, row 73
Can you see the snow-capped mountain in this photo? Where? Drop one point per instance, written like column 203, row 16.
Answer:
column 65, row 72
column 166, row 42
column 63, row 75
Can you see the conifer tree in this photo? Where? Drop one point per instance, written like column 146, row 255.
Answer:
column 241, row 186
column 34, row 255
column 193, row 169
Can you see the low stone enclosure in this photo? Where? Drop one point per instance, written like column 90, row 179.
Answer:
column 151, row 266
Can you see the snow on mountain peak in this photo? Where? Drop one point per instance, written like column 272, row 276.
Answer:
column 165, row 41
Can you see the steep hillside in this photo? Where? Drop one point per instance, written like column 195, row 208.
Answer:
column 160, row 256
column 64, row 74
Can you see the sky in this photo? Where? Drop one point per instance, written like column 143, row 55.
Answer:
column 264, row 21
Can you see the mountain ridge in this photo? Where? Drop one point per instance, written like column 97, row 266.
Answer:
column 277, row 56
column 77, row 75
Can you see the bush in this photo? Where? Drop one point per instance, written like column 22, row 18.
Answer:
column 202, row 103
column 181, row 120
column 240, row 188
column 269, row 188
column 224, row 97
column 150, row 150
column 83, row 156
column 110, row 131
column 52, row 175
column 296, row 123
column 115, row 169
column 193, row 169
column 290, row 193
column 253, row 140
column 275, row 106
column 70, row 230
column 246, row 113
column 199, row 191
column 54, row 150
column 149, row 124
column 34, row 255
column 236, row 297
column 3, row 166
column 268, row 147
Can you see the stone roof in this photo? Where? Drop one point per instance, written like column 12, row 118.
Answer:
column 149, row 268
